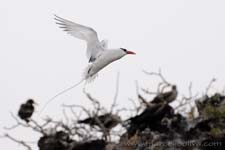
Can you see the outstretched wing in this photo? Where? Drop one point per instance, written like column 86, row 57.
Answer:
column 81, row 32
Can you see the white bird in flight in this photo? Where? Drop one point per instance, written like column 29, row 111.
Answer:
column 99, row 56
column 97, row 52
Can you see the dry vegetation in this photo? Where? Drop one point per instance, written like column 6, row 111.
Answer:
column 155, row 124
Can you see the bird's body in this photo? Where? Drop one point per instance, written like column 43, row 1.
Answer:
column 26, row 110
column 104, row 59
column 107, row 120
column 60, row 140
column 167, row 96
column 150, row 117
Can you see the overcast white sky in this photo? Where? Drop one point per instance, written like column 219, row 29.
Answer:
column 37, row 59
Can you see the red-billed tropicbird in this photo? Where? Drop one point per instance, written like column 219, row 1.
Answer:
column 97, row 52
column 99, row 56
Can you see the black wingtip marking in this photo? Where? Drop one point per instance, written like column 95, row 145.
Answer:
column 63, row 27
column 57, row 17
column 92, row 59
column 60, row 23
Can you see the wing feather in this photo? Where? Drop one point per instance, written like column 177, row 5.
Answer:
column 84, row 33
column 79, row 31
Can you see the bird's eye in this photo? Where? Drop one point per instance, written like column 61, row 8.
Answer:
column 123, row 49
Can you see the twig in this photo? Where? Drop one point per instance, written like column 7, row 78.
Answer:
column 187, row 100
column 140, row 97
column 143, row 100
column 190, row 89
column 38, row 127
column 102, row 127
column 210, row 85
column 159, row 74
column 78, row 106
column 116, row 93
column 17, row 141
column 162, row 85
column 13, row 126
column 65, row 116
column 96, row 103
column 149, row 92
column 136, row 108
column 19, row 123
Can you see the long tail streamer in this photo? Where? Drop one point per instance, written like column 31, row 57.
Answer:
column 60, row 93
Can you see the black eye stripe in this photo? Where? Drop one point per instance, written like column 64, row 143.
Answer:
column 123, row 49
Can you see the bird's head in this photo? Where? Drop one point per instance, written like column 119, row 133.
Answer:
column 126, row 52
column 116, row 118
column 31, row 102
column 174, row 87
